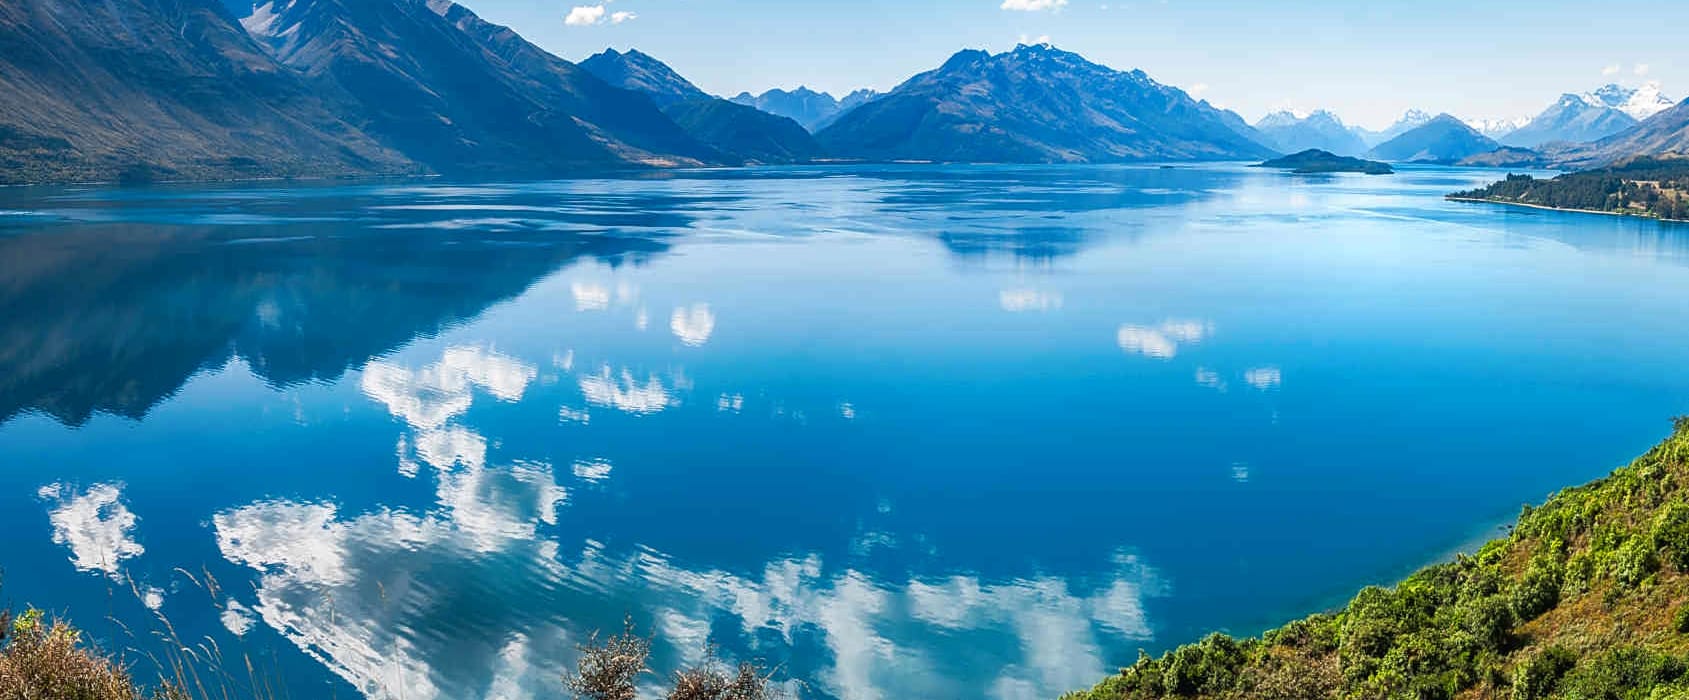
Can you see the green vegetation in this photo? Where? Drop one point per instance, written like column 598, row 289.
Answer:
column 1651, row 187
column 1586, row 599
column 1315, row 160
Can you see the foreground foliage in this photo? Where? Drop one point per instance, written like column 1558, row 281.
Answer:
column 1651, row 187
column 1586, row 599
column 612, row 669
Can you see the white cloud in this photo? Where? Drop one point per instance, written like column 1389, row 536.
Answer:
column 97, row 527
column 587, row 15
column 590, row 297
column 583, row 15
column 624, row 393
column 1022, row 300
column 429, row 397
column 1611, row 70
column 1033, row 5
column 1640, row 69
column 1264, row 378
column 1162, row 342
column 693, row 325
column 1197, row 89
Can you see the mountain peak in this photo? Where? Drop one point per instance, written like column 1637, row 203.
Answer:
column 641, row 72
column 1035, row 104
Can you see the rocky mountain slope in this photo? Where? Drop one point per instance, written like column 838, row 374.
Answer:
column 160, row 89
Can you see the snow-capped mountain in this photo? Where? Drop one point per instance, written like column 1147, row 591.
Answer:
column 1497, row 128
column 1412, row 119
column 1638, row 102
column 1287, row 132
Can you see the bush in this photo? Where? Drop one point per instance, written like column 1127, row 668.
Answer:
column 1680, row 621
column 1538, row 591
column 1210, row 666
column 1536, row 679
column 1634, row 562
column 1671, row 534
column 1627, row 673
column 1488, row 620
column 45, row 659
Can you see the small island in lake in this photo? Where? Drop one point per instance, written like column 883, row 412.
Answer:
column 1315, row 160
column 1655, row 188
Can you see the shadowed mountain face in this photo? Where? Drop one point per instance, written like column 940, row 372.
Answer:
column 116, row 317
column 1321, row 130
column 1444, row 139
column 159, row 89
column 465, row 96
column 738, row 131
column 1035, row 104
column 1571, row 119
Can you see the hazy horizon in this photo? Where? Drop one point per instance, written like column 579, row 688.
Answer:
column 1366, row 64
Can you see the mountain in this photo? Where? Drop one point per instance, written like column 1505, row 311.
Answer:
column 462, row 95
column 814, row 110
column 1638, row 102
column 1322, row 130
column 639, row 72
column 1664, row 134
column 1498, row 128
column 1572, row 119
column 1035, row 104
column 743, row 132
column 160, row 89
column 1444, row 139
column 1412, row 119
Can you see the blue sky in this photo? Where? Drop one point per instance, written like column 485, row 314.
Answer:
column 1367, row 61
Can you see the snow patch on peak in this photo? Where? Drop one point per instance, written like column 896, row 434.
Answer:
column 1639, row 102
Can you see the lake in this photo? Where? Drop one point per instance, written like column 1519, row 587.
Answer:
column 902, row 431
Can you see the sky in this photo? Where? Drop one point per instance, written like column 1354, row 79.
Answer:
column 1368, row 61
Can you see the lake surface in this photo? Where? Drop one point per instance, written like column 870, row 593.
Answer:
column 903, row 431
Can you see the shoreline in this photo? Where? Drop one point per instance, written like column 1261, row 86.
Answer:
column 1545, row 207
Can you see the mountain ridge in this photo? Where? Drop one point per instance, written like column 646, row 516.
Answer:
column 1035, row 104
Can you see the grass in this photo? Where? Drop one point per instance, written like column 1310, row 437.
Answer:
column 1586, row 599
column 43, row 658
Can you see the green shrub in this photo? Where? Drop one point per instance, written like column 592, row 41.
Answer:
column 1671, row 534
column 1538, row 591
column 1209, row 666
column 1634, row 562
column 1680, row 621
column 1626, row 673
column 1536, row 679
column 1488, row 620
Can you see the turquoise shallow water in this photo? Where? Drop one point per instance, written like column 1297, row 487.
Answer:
column 905, row 431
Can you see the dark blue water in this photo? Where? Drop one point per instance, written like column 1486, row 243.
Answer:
column 904, row 432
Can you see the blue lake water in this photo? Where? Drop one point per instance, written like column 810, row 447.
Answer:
column 903, row 432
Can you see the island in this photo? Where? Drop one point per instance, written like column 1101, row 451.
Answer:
column 1586, row 596
column 1655, row 188
column 1315, row 160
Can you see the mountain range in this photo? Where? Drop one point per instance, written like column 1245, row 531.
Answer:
column 1287, row 133
column 138, row 90
column 1410, row 120
column 1444, row 140
column 814, row 110
column 745, row 132
column 1035, row 104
